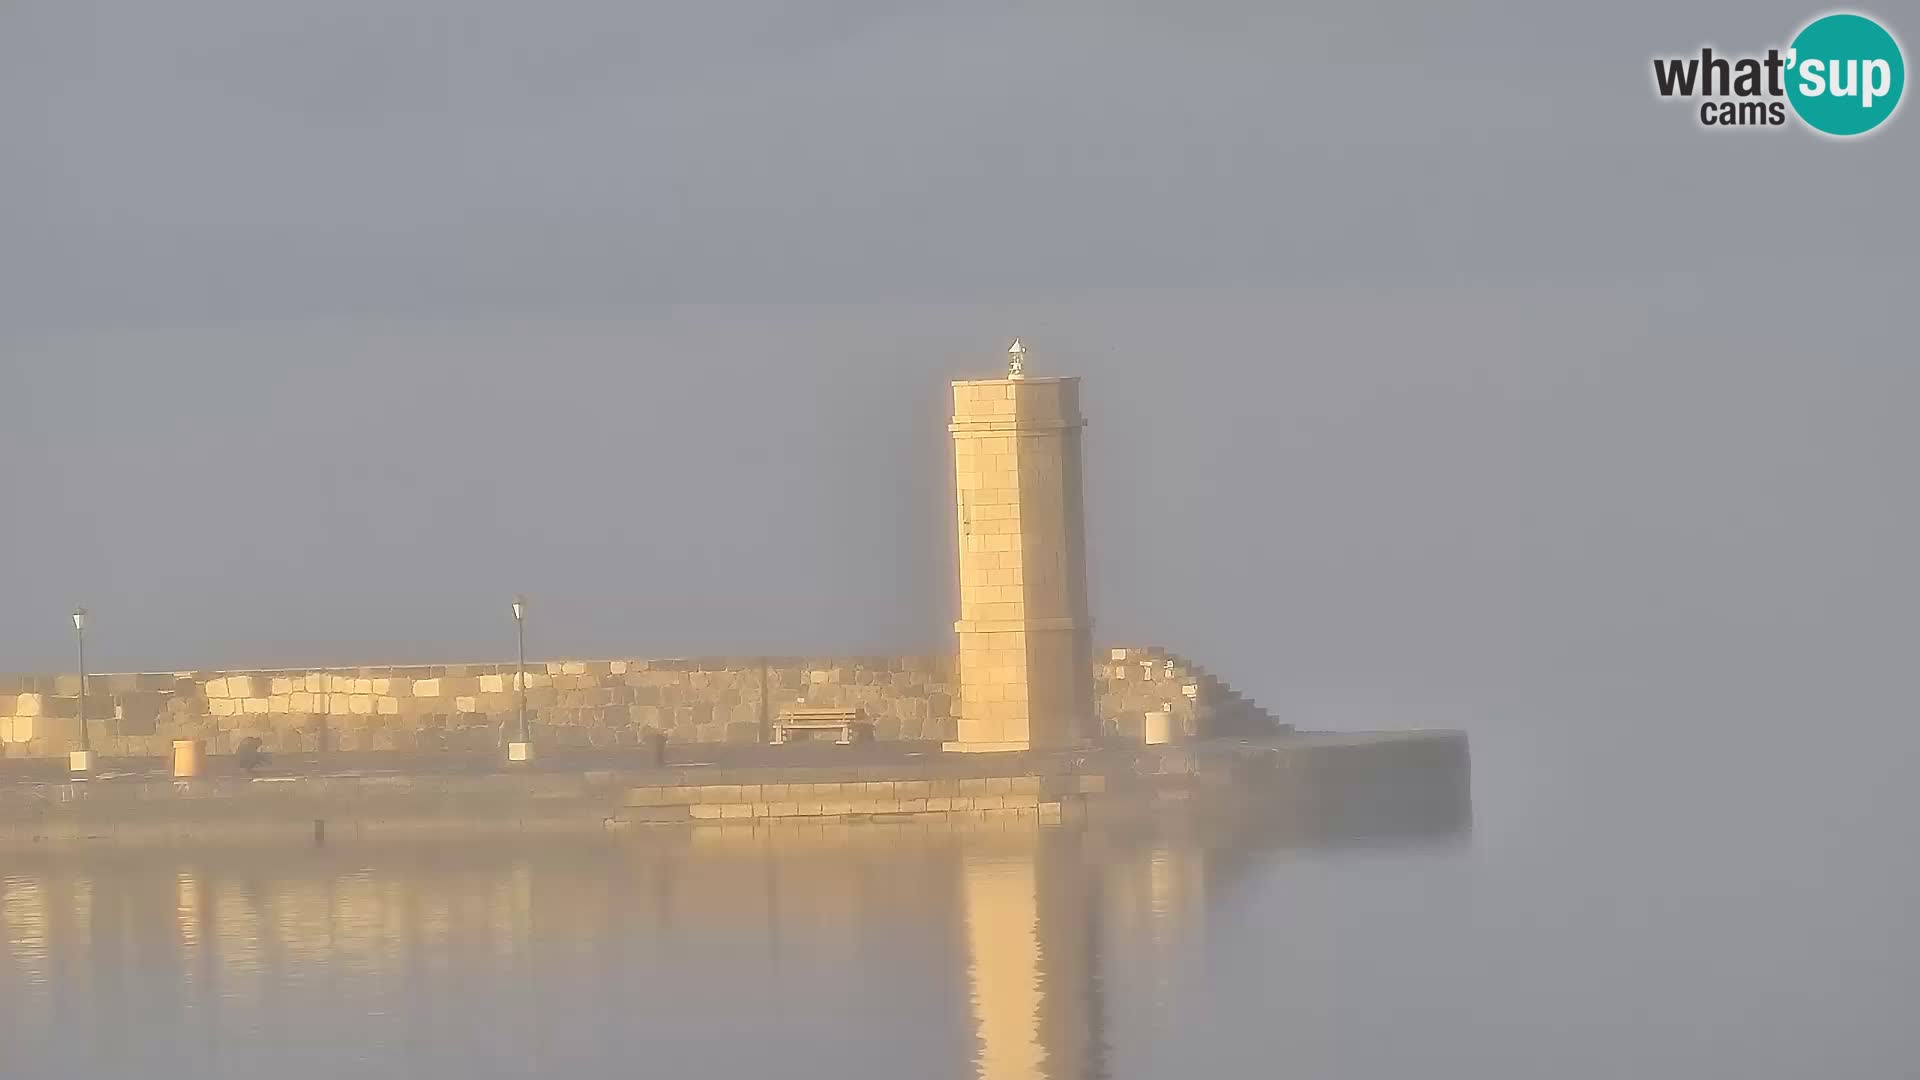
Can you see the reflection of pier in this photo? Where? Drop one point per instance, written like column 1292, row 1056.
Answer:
column 1037, row 917
column 860, row 950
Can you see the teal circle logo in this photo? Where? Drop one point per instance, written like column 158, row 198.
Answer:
column 1845, row 74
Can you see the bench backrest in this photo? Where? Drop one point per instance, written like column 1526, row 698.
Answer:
column 823, row 716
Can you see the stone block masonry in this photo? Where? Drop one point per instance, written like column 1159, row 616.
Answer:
column 571, row 703
column 1023, row 629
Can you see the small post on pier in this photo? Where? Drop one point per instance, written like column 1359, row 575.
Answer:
column 521, row 748
column 80, row 762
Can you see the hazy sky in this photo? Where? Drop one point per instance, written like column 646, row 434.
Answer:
column 1425, row 349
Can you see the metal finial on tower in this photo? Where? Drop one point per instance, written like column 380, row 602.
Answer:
column 1016, row 360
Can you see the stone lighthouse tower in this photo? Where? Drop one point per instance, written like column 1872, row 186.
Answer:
column 1026, row 677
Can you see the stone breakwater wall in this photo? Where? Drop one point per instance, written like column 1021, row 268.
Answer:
column 570, row 703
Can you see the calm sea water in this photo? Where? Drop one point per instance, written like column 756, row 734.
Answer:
column 1639, row 943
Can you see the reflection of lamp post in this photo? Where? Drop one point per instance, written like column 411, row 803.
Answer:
column 521, row 748
column 81, row 761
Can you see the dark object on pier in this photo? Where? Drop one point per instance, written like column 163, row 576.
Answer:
column 657, row 747
column 249, row 755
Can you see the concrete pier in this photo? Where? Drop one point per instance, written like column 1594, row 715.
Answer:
column 1290, row 782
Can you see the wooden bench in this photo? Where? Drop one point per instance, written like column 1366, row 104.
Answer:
column 803, row 725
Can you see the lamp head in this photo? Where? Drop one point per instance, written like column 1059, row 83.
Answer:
column 519, row 608
column 79, row 618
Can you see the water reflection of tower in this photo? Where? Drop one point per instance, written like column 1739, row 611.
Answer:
column 1071, row 927
column 1034, row 928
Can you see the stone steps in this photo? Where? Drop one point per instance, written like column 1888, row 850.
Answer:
column 1216, row 707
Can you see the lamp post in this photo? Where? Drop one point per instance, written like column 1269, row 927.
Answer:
column 521, row 748
column 80, row 762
